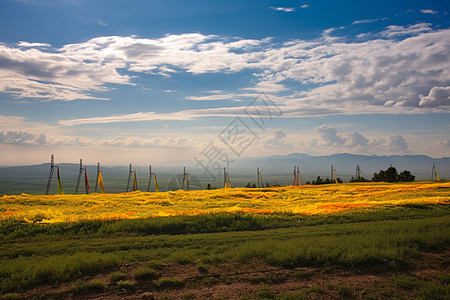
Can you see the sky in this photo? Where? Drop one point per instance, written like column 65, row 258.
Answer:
column 157, row 82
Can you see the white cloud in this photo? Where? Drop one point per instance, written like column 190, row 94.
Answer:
column 32, row 45
column 136, row 117
column 76, row 70
column 22, row 138
column 32, row 73
column 304, row 6
column 279, row 134
column 329, row 135
column 394, row 30
column 285, row 9
column 267, row 87
column 438, row 96
column 397, row 144
column 429, row 11
column 102, row 23
column 319, row 77
column 444, row 143
column 230, row 96
column 355, row 142
column 156, row 142
column 366, row 21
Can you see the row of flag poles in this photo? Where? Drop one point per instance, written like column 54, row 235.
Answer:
column 185, row 179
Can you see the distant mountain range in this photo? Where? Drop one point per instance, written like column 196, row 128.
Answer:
column 276, row 169
column 345, row 164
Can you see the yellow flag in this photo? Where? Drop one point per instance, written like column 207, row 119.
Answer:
column 60, row 190
column 100, row 182
column 135, row 188
column 437, row 176
column 187, row 181
column 156, row 183
column 335, row 178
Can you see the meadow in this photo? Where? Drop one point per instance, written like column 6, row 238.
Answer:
column 306, row 242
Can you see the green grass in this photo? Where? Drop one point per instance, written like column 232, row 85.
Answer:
column 126, row 285
column 81, row 287
column 146, row 273
column 117, row 276
column 13, row 229
column 48, row 254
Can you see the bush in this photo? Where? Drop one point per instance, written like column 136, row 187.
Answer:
column 81, row 287
column 145, row 273
column 117, row 276
column 343, row 290
column 432, row 291
column 11, row 296
column 126, row 285
column 169, row 282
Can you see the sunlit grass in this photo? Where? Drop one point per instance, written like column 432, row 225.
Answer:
column 305, row 200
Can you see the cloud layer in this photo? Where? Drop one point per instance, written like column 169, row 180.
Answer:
column 403, row 69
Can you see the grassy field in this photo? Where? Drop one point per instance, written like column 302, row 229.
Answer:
column 275, row 243
column 304, row 200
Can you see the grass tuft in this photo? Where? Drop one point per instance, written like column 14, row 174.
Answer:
column 81, row 287
column 146, row 273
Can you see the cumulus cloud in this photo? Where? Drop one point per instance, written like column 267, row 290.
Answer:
column 279, row 134
column 444, row 143
column 329, row 135
column 402, row 70
column 285, row 9
column 355, row 142
column 397, row 144
column 304, row 6
column 438, row 96
column 76, row 70
column 32, row 73
column 22, row 138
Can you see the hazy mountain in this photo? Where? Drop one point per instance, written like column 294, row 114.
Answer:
column 345, row 164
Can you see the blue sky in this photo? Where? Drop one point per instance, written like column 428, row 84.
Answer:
column 159, row 81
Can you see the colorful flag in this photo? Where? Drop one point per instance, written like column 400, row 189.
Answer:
column 86, row 183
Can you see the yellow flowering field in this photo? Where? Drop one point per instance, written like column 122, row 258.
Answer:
column 306, row 199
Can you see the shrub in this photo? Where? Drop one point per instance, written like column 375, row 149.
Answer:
column 343, row 290
column 126, row 285
column 432, row 291
column 146, row 273
column 169, row 282
column 202, row 268
column 81, row 287
column 264, row 293
column 117, row 276
column 11, row 296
